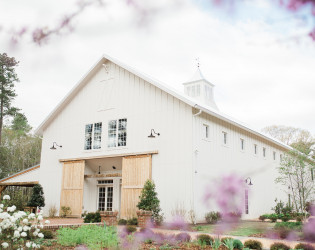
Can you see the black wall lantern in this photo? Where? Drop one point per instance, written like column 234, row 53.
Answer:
column 153, row 132
column 55, row 144
column 250, row 181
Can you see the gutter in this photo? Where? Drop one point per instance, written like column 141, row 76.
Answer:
column 194, row 156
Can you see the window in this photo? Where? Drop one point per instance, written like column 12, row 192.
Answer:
column 193, row 91
column 274, row 155
column 188, row 90
column 205, row 131
column 264, row 152
column 105, row 198
column 198, row 90
column 224, row 138
column 246, row 202
column 93, row 136
column 105, row 182
column 255, row 149
column 243, row 144
column 280, row 157
column 117, row 133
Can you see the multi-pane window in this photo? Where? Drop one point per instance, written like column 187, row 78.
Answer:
column 255, row 149
column 105, row 182
column 246, row 202
column 117, row 133
column 264, row 152
column 93, row 136
column 224, row 137
column 105, row 198
column 242, row 144
column 205, row 131
column 274, row 155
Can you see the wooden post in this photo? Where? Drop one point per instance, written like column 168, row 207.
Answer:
column 2, row 188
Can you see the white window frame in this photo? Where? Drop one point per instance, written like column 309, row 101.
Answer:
column 206, row 132
column 92, row 136
column 255, row 149
column 117, row 132
column 108, row 185
column 242, row 144
column 225, row 138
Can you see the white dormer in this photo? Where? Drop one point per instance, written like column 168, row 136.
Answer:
column 200, row 89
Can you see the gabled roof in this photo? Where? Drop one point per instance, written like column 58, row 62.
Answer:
column 186, row 99
column 20, row 173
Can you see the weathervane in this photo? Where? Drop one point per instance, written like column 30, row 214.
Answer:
column 198, row 62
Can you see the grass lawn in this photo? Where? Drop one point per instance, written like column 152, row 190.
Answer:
column 244, row 228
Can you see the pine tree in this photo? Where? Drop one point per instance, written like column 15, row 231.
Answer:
column 150, row 202
column 37, row 198
column 8, row 77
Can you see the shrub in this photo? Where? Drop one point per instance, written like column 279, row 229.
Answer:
column 238, row 244
column 52, row 211
column 253, row 244
column 263, row 217
column 122, row 222
column 229, row 244
column 289, row 225
column 12, row 220
column 223, row 239
column 37, row 197
column 48, row 234
column 130, row 229
column 205, row 239
column 183, row 237
column 284, row 217
column 212, row 217
column 149, row 201
column 273, row 217
column 132, row 221
column 304, row 246
column 279, row 246
column 92, row 217
column 65, row 211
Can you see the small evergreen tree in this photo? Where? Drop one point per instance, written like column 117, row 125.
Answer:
column 37, row 198
column 150, row 202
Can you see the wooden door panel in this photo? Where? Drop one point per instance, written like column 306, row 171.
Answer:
column 72, row 186
column 135, row 171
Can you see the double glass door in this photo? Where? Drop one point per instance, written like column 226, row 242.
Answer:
column 105, row 198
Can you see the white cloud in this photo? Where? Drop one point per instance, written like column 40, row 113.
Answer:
column 258, row 80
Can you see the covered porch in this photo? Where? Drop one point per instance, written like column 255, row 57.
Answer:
column 108, row 183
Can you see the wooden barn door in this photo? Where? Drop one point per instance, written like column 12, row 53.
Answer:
column 135, row 171
column 72, row 186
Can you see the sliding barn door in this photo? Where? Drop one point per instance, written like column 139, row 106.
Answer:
column 72, row 186
column 135, row 171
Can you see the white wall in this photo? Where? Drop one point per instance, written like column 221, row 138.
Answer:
column 215, row 159
column 27, row 177
column 124, row 95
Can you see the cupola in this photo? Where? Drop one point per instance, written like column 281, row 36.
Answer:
column 200, row 89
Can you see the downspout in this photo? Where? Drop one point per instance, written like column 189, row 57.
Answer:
column 194, row 156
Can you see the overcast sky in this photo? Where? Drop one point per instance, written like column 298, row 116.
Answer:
column 257, row 55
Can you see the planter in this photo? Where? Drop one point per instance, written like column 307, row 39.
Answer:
column 109, row 217
column 144, row 217
column 30, row 209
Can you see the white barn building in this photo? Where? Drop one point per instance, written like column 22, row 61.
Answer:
column 103, row 126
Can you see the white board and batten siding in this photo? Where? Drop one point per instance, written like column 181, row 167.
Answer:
column 215, row 159
column 118, row 95
column 30, row 176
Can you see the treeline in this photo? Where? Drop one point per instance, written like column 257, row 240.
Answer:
column 19, row 148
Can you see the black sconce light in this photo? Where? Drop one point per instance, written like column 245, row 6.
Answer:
column 99, row 169
column 55, row 144
column 153, row 132
column 113, row 167
column 250, row 181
